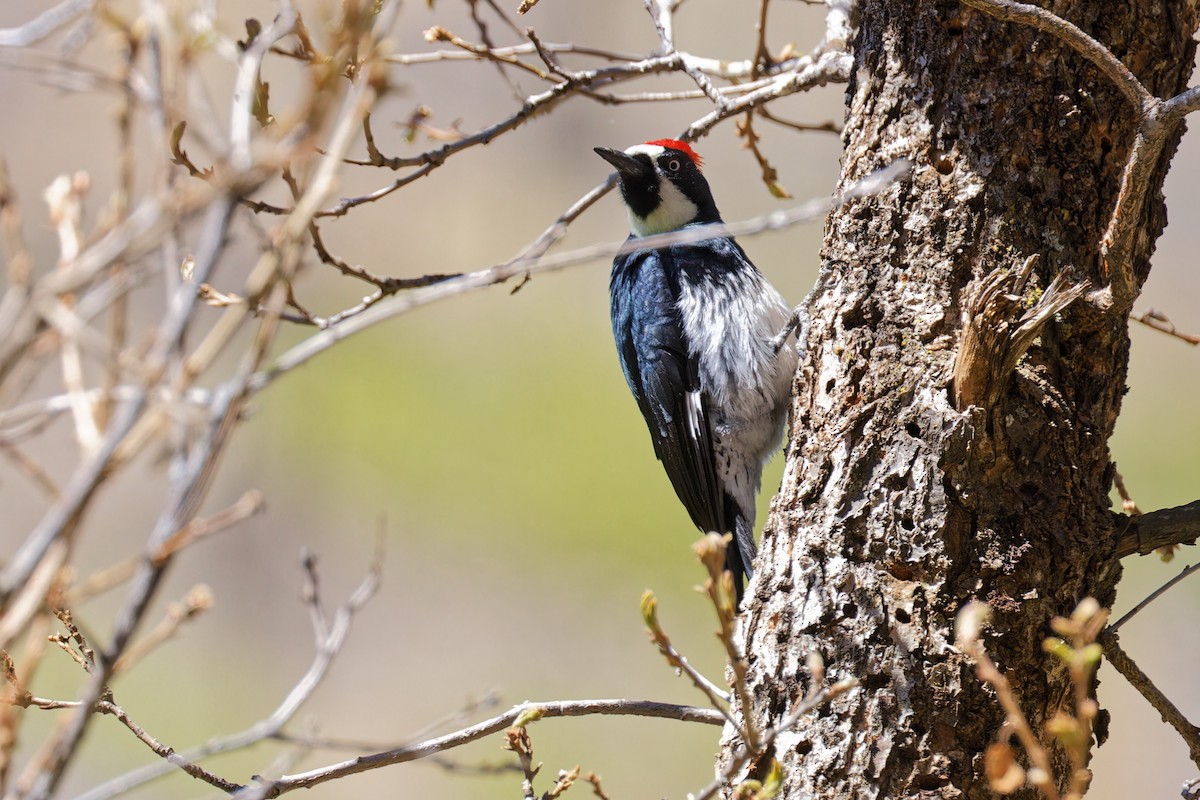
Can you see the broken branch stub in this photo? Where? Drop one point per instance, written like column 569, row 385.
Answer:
column 996, row 333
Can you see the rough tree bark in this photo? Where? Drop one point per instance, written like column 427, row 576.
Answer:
column 896, row 508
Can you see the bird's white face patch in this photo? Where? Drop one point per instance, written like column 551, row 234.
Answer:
column 674, row 209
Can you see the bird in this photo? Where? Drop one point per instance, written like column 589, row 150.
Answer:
column 700, row 335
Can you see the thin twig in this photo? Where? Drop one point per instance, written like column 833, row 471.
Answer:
column 246, row 506
column 710, row 549
column 970, row 623
column 486, row 52
column 267, row 279
column 770, row 177
column 329, row 643
column 400, row 304
column 813, row 701
column 829, row 126
column 1127, row 502
column 762, row 55
column 715, row 67
column 31, row 468
column 717, row 698
column 830, row 67
column 198, row 600
column 1133, row 612
column 453, row 719
column 565, row 708
column 1159, row 322
column 168, row 754
column 1140, row 681
column 242, row 117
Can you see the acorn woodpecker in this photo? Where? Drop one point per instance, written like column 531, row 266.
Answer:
column 696, row 328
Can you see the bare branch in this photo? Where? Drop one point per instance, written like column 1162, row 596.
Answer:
column 770, row 177
column 830, row 67
column 247, row 505
column 45, row 24
column 88, row 476
column 710, row 549
column 485, row 52
column 245, row 92
column 829, row 126
column 268, row 279
column 198, row 600
column 1133, row 612
column 534, row 105
column 717, row 698
column 329, row 640
column 1159, row 322
column 1140, row 681
column 1146, row 533
column 735, row 71
column 1184, row 103
column 166, row 753
column 792, row 76
column 452, row 720
column 31, row 468
column 566, row 708
column 1135, row 180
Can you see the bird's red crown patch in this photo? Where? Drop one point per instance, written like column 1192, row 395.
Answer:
column 682, row 147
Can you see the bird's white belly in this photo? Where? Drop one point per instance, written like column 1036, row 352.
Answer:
column 729, row 328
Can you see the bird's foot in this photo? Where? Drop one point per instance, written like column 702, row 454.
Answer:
column 793, row 324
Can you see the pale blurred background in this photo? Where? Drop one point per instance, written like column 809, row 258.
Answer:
column 493, row 438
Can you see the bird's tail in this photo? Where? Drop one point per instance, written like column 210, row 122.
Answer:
column 739, row 555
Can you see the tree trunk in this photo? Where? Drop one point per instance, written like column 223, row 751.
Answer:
column 896, row 508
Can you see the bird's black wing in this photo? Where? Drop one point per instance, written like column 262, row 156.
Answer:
column 663, row 379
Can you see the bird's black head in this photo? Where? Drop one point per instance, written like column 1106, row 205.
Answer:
column 662, row 186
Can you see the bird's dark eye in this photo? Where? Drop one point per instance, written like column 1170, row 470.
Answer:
column 673, row 165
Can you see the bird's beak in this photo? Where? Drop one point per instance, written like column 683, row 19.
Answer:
column 630, row 169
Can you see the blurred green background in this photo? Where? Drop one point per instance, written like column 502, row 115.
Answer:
column 492, row 438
